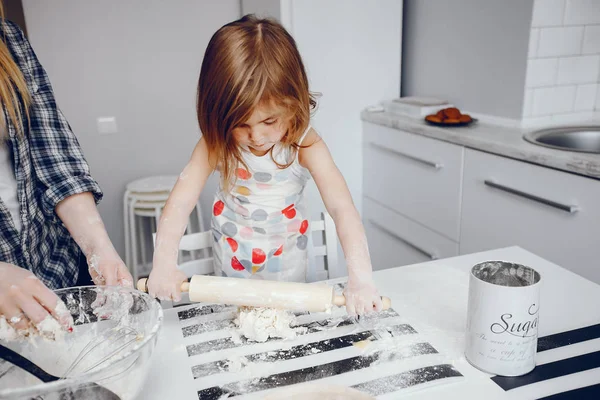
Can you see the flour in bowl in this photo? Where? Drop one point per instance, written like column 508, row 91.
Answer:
column 48, row 328
column 7, row 332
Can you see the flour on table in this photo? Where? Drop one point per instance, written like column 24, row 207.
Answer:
column 235, row 364
column 249, row 370
column 261, row 323
column 236, row 336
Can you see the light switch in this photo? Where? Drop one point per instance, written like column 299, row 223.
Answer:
column 107, row 125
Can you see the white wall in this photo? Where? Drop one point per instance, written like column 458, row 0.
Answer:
column 137, row 60
column 472, row 53
column 262, row 8
column 563, row 66
column 351, row 50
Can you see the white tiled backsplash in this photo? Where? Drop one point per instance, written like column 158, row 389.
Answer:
column 563, row 65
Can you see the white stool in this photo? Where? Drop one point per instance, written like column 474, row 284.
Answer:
column 146, row 198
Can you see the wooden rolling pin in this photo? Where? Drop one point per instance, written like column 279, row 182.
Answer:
column 291, row 296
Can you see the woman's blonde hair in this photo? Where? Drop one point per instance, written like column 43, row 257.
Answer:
column 13, row 88
column 248, row 62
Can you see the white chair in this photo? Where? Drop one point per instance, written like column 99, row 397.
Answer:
column 192, row 242
column 327, row 250
column 146, row 198
column 204, row 266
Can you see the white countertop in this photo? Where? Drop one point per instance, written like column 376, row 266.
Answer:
column 494, row 139
column 430, row 297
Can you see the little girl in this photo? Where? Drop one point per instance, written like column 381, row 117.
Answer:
column 253, row 109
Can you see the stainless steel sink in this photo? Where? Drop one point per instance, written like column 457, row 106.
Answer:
column 584, row 139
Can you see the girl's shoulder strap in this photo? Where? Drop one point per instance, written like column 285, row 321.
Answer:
column 300, row 142
column 304, row 134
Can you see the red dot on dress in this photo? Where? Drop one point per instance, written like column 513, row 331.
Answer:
column 236, row 264
column 258, row 256
column 218, row 208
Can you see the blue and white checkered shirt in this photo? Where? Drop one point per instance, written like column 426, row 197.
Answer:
column 49, row 167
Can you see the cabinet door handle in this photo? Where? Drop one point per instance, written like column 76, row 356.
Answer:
column 564, row 207
column 401, row 239
column 431, row 164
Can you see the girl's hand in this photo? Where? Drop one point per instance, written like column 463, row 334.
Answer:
column 165, row 279
column 164, row 283
column 362, row 297
column 361, row 294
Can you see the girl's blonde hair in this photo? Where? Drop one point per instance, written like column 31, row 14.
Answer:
column 248, row 62
column 13, row 89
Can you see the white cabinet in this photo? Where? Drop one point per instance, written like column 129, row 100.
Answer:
column 551, row 213
column 416, row 176
column 412, row 187
column 396, row 240
column 425, row 199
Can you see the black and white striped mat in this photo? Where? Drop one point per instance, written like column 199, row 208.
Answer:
column 563, row 367
column 327, row 351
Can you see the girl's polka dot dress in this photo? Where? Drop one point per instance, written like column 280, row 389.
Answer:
column 261, row 227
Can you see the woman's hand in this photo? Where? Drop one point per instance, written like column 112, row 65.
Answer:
column 107, row 268
column 79, row 214
column 25, row 302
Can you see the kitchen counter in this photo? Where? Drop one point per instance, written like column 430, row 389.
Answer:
column 418, row 352
column 495, row 139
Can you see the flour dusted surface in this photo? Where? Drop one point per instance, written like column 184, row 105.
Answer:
column 260, row 323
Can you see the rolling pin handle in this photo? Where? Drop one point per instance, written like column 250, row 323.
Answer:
column 339, row 300
column 142, row 285
column 386, row 302
column 185, row 286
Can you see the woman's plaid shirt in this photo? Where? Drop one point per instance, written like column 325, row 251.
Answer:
column 49, row 167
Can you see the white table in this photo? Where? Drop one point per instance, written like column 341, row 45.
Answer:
column 431, row 298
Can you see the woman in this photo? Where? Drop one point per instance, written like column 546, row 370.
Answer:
column 50, row 228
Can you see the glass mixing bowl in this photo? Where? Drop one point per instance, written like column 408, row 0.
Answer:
column 100, row 313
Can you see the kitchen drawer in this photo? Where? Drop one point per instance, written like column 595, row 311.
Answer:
column 416, row 176
column 551, row 213
column 395, row 240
